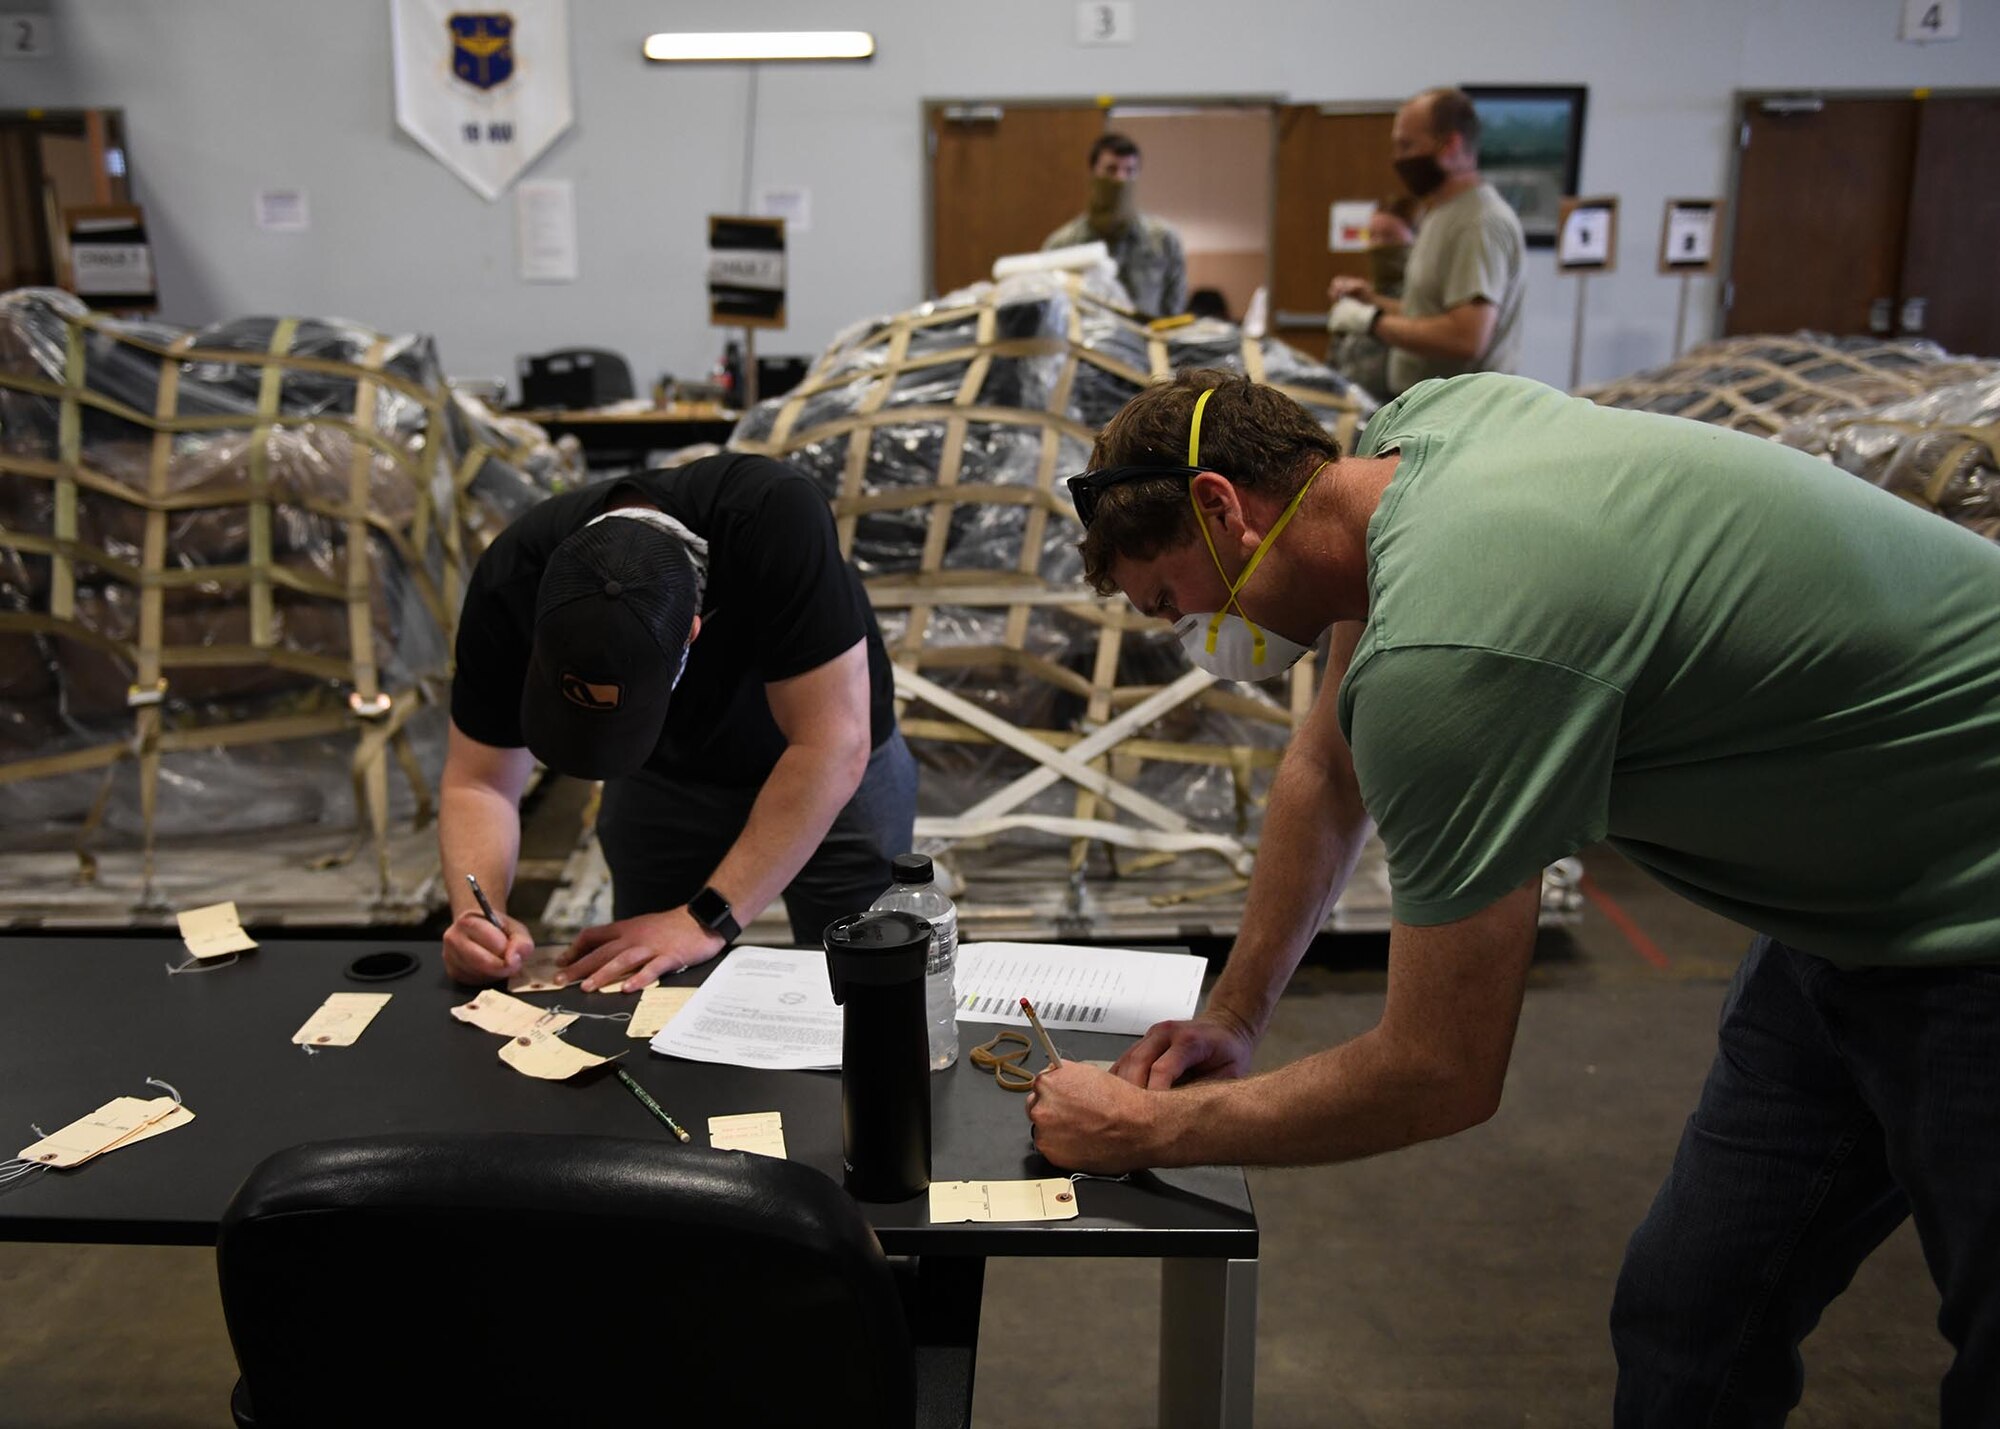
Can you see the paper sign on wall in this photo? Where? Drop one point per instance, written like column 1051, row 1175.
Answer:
column 1587, row 234
column 1925, row 21
column 26, row 37
column 1107, row 22
column 1687, row 236
column 794, row 205
column 283, row 211
column 486, row 91
column 545, row 230
column 1347, row 229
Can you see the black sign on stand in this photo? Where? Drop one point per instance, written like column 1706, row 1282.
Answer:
column 746, row 272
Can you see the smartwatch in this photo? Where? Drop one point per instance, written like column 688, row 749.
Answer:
column 712, row 911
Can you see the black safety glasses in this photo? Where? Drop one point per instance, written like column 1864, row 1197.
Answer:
column 1085, row 490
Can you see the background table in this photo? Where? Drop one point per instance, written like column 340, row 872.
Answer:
column 88, row 1019
column 622, row 438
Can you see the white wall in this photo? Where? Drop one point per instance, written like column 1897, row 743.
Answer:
column 223, row 97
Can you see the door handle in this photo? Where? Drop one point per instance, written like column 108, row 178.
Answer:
column 1878, row 316
column 1913, row 315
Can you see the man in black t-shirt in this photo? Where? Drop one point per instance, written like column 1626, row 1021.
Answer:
column 694, row 639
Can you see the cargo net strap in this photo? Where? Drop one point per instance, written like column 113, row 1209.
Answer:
column 1116, row 716
column 374, row 716
column 1763, row 384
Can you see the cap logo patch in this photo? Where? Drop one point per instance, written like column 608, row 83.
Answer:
column 579, row 691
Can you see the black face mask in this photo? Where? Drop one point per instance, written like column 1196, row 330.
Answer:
column 1421, row 174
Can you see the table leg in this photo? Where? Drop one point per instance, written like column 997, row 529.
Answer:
column 1208, row 1343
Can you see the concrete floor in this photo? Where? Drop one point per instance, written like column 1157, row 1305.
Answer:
column 1461, row 1283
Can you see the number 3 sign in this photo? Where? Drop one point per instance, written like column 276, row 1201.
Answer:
column 1106, row 22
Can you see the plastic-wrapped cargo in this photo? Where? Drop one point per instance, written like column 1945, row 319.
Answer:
column 1762, row 384
column 941, row 436
column 230, row 564
column 1940, row 450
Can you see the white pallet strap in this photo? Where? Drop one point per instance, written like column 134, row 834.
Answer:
column 1158, row 703
column 1070, row 764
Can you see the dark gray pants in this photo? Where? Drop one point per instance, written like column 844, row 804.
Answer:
column 663, row 838
column 1841, row 1101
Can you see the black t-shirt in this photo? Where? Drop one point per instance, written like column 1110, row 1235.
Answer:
column 779, row 601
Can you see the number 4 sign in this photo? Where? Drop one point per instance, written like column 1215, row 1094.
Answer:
column 1928, row 20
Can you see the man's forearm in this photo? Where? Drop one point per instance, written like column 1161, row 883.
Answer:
column 479, row 832
column 804, row 793
column 1359, row 1099
column 1443, row 335
column 1313, row 832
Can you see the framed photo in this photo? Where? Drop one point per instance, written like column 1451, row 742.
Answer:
column 1531, row 149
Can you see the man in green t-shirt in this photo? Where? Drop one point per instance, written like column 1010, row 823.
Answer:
column 1774, row 687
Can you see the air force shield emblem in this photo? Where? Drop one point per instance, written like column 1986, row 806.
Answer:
column 482, row 47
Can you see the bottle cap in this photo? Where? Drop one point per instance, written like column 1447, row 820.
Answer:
column 912, row 867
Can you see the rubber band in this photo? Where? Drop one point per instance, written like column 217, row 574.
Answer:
column 198, row 965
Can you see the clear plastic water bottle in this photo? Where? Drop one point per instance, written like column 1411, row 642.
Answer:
column 915, row 891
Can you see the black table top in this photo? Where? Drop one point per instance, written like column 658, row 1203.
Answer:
column 90, row 1018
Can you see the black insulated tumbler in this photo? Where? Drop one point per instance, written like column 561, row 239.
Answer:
column 876, row 964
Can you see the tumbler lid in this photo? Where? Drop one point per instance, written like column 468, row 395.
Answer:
column 876, row 949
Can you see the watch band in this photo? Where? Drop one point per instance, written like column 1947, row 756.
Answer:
column 719, row 918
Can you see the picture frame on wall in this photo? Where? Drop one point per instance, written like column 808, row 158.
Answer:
column 1531, row 149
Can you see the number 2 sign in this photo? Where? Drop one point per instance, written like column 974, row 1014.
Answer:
column 25, row 37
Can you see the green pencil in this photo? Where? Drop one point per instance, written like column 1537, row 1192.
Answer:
column 652, row 1106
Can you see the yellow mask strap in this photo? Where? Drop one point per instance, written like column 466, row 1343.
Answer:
column 1256, row 558
column 1194, row 428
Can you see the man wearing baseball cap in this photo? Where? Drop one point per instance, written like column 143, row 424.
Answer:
column 694, row 639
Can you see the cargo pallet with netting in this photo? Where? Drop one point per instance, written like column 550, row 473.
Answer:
column 230, row 564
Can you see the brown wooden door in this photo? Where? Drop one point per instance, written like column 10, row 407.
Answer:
column 1003, row 177
column 1822, row 202
column 1950, row 289
column 1322, row 158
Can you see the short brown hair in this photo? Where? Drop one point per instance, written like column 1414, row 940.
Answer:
column 1453, row 112
column 1255, row 435
column 1112, row 142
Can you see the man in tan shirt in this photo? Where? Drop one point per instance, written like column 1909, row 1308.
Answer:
column 1461, row 304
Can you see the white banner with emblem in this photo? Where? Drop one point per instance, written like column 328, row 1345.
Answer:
column 486, row 91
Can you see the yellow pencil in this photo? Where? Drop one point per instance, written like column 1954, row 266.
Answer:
column 1055, row 1057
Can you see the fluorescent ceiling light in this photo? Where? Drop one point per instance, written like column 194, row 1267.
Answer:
column 762, row 45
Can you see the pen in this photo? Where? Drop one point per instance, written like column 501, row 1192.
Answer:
column 485, row 906
column 1055, row 1057
column 652, row 1106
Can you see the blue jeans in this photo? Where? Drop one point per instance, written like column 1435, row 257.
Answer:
column 662, row 838
column 1840, row 1102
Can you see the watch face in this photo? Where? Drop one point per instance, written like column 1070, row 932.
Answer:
column 708, row 907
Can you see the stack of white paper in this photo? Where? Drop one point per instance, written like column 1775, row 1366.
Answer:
column 1086, row 989
column 761, row 1007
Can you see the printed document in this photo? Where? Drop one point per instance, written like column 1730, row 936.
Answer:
column 1077, row 988
column 762, row 1007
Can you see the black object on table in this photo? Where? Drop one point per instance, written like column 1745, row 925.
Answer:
column 88, row 1019
column 620, row 439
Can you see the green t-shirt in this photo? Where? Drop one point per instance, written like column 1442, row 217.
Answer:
column 1772, row 685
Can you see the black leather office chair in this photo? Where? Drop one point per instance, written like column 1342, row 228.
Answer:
column 554, row 1280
